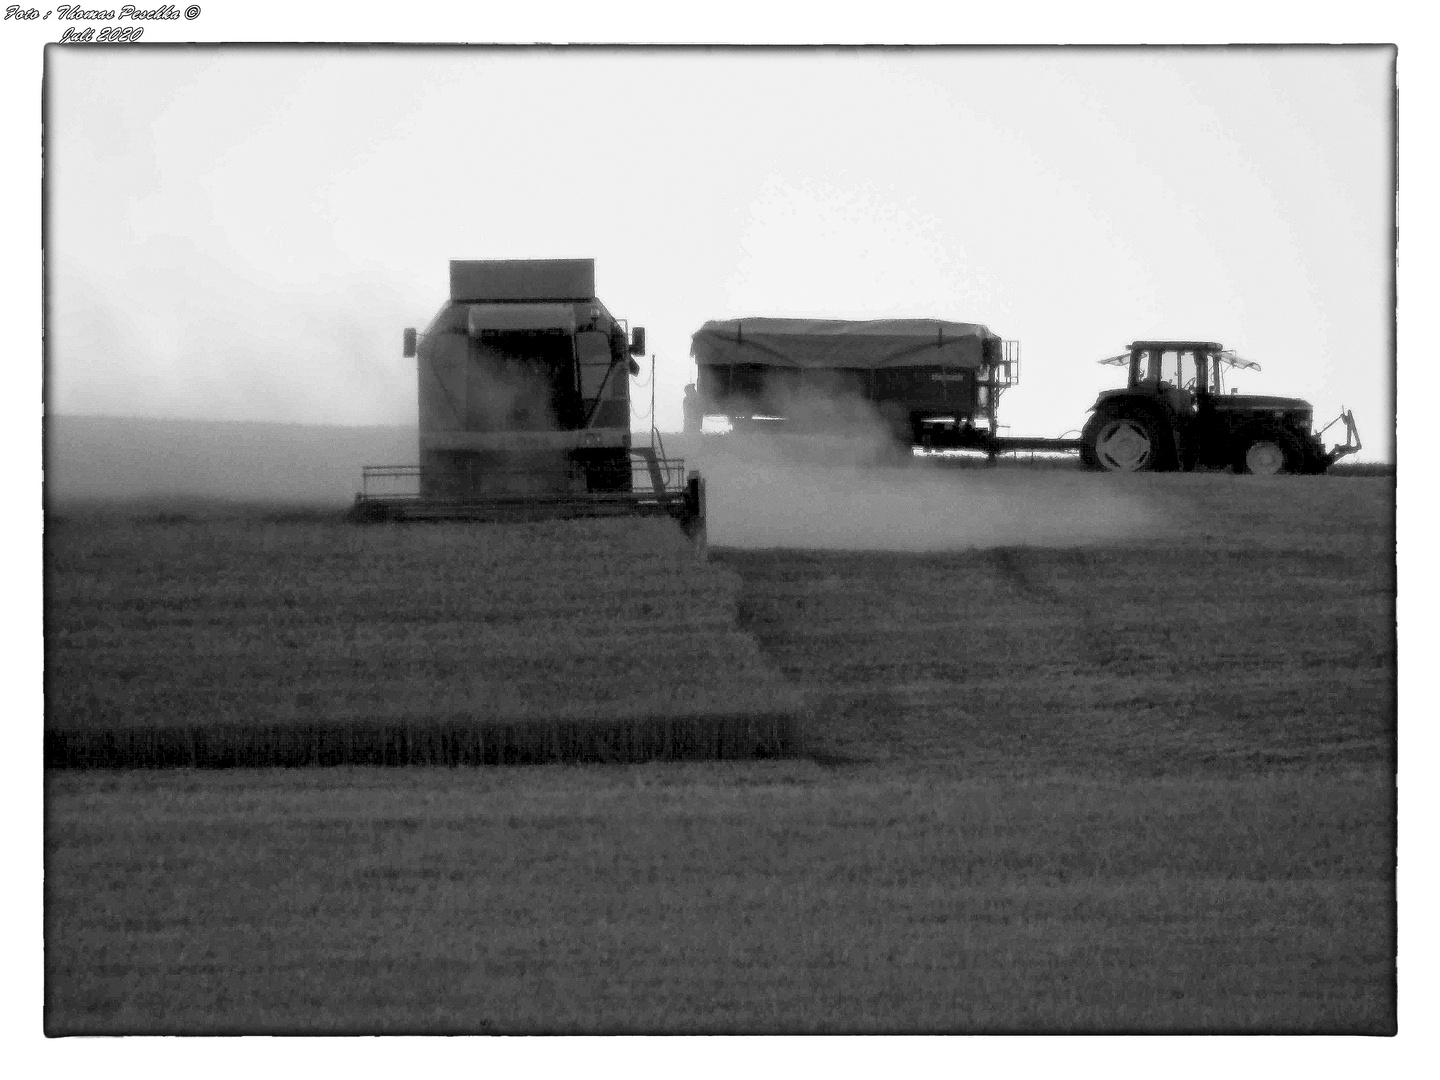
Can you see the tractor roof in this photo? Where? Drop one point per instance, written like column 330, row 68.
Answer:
column 1178, row 346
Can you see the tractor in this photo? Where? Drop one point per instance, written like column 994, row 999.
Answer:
column 1174, row 414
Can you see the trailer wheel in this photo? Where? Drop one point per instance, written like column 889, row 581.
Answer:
column 1088, row 460
column 1269, row 455
column 1122, row 444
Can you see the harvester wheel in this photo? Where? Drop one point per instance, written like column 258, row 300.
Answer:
column 1268, row 455
column 1122, row 444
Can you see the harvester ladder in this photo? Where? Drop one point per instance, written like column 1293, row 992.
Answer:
column 657, row 477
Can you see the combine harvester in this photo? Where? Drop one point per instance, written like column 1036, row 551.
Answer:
column 524, row 396
column 936, row 385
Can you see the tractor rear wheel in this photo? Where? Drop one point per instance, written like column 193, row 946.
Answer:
column 1121, row 444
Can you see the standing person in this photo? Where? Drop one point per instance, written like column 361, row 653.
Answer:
column 692, row 410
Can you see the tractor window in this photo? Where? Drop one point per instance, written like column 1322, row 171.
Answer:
column 1157, row 369
column 1167, row 377
column 1154, row 361
column 1197, row 371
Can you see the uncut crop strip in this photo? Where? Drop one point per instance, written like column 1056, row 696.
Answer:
column 220, row 643
column 321, row 745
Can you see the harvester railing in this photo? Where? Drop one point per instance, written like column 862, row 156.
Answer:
column 390, row 482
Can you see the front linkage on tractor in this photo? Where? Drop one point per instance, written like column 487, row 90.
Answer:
column 1174, row 414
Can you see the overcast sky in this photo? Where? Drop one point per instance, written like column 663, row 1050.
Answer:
column 242, row 233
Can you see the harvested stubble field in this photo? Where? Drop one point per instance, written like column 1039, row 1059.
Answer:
column 1145, row 786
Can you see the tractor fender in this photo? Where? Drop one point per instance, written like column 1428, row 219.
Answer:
column 1137, row 410
column 1245, row 434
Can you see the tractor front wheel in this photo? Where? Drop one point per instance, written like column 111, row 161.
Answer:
column 1269, row 455
column 1121, row 444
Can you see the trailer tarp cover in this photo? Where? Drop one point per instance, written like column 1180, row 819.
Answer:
column 837, row 343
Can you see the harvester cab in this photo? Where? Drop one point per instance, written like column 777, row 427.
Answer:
column 524, row 407
column 1175, row 414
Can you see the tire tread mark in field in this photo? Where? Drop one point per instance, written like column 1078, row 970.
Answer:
column 753, row 619
column 1017, row 566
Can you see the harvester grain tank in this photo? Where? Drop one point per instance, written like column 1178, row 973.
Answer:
column 524, row 407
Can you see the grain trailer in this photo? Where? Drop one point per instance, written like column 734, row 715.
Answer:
column 918, row 382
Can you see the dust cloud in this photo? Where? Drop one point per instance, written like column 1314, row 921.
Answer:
column 207, row 343
column 815, row 492
column 107, row 458
column 801, row 492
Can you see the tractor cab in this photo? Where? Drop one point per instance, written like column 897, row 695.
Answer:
column 1195, row 368
column 1174, row 413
